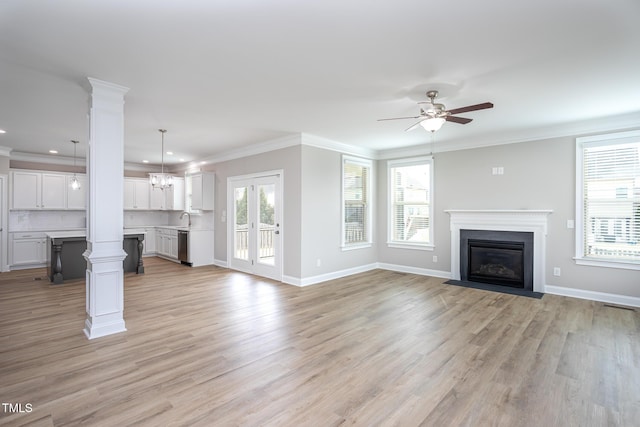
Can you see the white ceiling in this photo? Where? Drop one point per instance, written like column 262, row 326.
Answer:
column 222, row 75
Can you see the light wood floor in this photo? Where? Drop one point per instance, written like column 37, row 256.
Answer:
column 208, row 346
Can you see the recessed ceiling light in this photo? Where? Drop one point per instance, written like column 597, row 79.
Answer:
column 170, row 153
column 182, row 160
column 145, row 161
column 53, row 151
column 203, row 163
column 3, row 131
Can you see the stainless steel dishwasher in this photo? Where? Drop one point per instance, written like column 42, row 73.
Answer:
column 183, row 246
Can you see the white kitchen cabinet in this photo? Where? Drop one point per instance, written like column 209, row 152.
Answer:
column 201, row 247
column 157, row 198
column 174, row 196
column 200, row 191
column 54, row 191
column 26, row 190
column 37, row 190
column 27, row 249
column 169, row 199
column 167, row 243
column 149, row 241
column 45, row 190
column 136, row 194
column 77, row 199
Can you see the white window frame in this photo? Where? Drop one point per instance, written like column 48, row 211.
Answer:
column 425, row 160
column 368, row 203
column 581, row 143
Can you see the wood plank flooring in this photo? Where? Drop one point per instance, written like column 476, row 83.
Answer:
column 209, row 346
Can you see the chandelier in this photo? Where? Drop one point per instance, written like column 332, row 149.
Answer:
column 75, row 184
column 161, row 180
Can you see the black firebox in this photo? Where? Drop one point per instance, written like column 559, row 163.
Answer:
column 497, row 257
column 495, row 262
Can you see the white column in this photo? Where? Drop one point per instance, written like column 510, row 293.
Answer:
column 105, row 171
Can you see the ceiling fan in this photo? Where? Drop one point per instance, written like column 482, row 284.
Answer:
column 432, row 116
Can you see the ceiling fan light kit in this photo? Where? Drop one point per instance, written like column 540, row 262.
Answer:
column 432, row 116
column 433, row 124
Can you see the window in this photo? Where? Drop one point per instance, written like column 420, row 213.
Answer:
column 356, row 203
column 608, row 200
column 410, row 206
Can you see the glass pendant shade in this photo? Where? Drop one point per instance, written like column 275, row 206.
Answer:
column 161, row 180
column 432, row 124
column 75, row 184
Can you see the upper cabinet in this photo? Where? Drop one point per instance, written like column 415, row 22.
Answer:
column 41, row 190
column 174, row 196
column 137, row 194
column 200, row 191
column 169, row 199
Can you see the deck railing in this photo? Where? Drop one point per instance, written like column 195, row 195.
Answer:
column 265, row 242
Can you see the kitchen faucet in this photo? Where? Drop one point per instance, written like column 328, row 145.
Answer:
column 188, row 215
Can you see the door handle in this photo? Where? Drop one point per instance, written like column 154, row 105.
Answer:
column 276, row 232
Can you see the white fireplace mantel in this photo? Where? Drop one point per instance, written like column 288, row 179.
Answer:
column 528, row 220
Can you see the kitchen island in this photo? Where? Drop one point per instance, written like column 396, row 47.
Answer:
column 65, row 251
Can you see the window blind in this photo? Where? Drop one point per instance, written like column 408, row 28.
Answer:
column 611, row 201
column 410, row 190
column 355, row 193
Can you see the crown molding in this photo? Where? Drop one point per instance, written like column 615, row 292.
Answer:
column 329, row 144
column 141, row 167
column 5, row 151
column 251, row 150
column 573, row 129
column 46, row 158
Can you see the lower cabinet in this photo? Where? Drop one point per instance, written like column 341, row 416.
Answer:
column 167, row 243
column 27, row 249
column 149, row 247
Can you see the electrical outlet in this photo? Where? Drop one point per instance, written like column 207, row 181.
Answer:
column 435, row 258
column 570, row 223
column 556, row 271
column 318, row 262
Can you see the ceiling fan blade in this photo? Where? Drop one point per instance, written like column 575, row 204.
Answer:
column 413, row 127
column 461, row 120
column 471, row 108
column 399, row 118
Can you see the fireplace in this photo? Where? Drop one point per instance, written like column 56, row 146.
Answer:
column 513, row 220
column 497, row 257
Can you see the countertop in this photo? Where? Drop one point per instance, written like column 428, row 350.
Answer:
column 82, row 233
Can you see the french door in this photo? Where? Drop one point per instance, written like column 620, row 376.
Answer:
column 255, row 226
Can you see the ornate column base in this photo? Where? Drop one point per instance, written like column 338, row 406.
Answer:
column 104, row 294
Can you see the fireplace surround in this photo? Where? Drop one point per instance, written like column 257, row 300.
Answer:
column 519, row 220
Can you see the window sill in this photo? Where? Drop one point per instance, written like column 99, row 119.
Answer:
column 356, row 246
column 414, row 246
column 595, row 262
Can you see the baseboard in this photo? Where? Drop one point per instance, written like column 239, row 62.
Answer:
column 415, row 270
column 26, row 266
column 313, row 280
column 220, row 263
column 593, row 295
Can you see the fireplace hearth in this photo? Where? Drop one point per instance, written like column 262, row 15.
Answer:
column 497, row 257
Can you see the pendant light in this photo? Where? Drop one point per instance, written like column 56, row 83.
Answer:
column 75, row 184
column 161, row 180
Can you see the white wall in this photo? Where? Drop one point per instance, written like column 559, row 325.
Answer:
column 286, row 159
column 322, row 216
column 537, row 175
